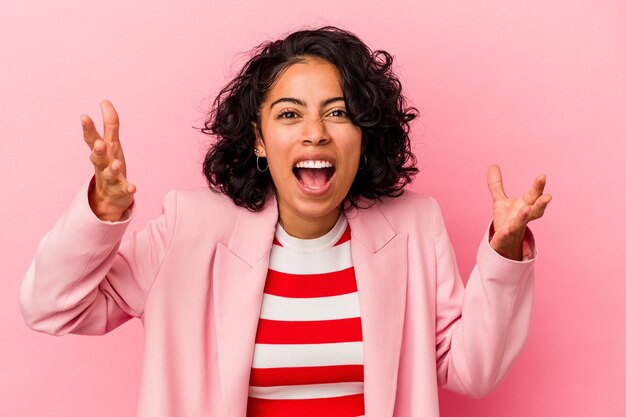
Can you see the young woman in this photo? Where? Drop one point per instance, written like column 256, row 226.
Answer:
column 309, row 282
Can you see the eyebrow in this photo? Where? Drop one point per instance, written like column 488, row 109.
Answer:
column 302, row 103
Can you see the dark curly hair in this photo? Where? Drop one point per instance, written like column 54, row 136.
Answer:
column 374, row 102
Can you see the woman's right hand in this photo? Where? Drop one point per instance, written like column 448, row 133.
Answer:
column 112, row 194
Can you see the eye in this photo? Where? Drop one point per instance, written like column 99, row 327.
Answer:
column 341, row 113
column 287, row 114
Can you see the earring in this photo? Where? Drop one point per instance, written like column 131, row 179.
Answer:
column 256, row 151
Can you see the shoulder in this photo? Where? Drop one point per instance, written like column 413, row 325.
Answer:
column 407, row 199
column 204, row 198
column 409, row 204
column 200, row 209
column 409, row 211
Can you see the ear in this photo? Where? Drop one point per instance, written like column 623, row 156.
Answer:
column 258, row 142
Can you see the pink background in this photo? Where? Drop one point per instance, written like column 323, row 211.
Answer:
column 535, row 87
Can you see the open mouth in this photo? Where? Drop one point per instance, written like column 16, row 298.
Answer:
column 314, row 174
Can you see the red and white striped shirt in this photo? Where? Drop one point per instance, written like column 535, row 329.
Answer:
column 308, row 354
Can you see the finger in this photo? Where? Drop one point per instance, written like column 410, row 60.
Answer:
column 111, row 175
column 131, row 188
column 537, row 190
column 494, row 181
column 539, row 207
column 99, row 155
column 111, row 122
column 116, row 179
column 117, row 166
column 90, row 134
column 543, row 201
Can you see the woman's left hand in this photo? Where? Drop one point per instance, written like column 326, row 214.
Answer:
column 510, row 216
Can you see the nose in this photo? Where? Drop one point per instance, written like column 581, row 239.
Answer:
column 315, row 133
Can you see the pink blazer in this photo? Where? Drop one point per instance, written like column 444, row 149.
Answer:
column 195, row 276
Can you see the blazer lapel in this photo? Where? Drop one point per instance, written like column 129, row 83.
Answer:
column 380, row 265
column 239, row 275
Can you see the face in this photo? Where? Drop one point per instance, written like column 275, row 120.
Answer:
column 312, row 147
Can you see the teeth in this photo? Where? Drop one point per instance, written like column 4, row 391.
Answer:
column 314, row 164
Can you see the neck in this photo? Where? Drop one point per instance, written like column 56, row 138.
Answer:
column 307, row 227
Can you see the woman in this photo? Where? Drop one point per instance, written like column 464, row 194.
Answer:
column 310, row 282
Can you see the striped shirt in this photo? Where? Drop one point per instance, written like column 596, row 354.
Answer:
column 308, row 353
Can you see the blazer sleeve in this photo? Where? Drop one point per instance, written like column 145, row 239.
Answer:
column 83, row 279
column 482, row 327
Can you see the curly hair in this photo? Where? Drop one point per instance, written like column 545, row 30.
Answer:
column 374, row 102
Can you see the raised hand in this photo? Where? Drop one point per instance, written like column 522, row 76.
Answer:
column 510, row 216
column 112, row 194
